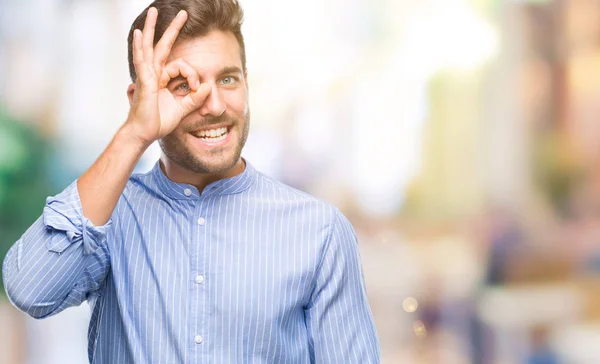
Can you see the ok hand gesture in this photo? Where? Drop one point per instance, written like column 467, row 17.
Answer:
column 155, row 111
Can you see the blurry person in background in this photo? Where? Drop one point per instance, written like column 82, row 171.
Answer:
column 203, row 258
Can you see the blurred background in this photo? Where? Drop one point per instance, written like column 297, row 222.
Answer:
column 460, row 137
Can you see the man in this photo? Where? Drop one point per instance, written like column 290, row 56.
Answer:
column 202, row 259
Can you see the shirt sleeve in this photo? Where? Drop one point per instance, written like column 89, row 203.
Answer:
column 59, row 261
column 339, row 319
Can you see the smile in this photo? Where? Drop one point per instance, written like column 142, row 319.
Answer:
column 215, row 137
column 212, row 135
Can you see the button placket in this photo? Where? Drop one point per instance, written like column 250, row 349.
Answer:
column 198, row 302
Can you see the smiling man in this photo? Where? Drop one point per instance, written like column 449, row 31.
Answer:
column 203, row 259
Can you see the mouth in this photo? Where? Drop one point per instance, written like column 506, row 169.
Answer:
column 213, row 136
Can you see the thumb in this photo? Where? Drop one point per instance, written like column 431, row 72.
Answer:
column 195, row 99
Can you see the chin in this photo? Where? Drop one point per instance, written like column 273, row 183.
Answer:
column 204, row 164
column 211, row 167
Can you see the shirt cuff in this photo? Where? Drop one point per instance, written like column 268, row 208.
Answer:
column 63, row 212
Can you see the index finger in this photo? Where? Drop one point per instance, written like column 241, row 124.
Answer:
column 164, row 45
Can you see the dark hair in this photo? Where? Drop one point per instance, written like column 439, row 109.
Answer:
column 203, row 17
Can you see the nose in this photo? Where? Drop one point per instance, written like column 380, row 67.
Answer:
column 214, row 104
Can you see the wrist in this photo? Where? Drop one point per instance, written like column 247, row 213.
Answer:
column 127, row 134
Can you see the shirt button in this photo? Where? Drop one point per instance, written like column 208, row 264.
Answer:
column 201, row 221
column 198, row 339
column 187, row 192
column 199, row 279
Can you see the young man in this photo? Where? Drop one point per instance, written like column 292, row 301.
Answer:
column 203, row 259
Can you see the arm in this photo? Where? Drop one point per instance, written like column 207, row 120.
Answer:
column 338, row 317
column 63, row 256
column 60, row 259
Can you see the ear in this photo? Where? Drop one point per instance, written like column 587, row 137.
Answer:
column 130, row 93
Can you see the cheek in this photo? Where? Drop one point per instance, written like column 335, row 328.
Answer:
column 239, row 110
column 238, row 102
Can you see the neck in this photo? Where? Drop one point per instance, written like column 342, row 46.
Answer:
column 178, row 174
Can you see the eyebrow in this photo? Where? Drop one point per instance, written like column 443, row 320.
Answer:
column 229, row 70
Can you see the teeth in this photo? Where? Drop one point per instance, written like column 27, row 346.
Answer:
column 216, row 139
column 212, row 133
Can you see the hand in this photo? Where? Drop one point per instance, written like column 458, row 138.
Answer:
column 155, row 111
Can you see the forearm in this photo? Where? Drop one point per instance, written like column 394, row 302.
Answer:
column 102, row 184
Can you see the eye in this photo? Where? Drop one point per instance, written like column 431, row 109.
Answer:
column 229, row 80
column 183, row 87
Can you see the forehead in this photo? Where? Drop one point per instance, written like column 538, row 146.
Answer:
column 210, row 52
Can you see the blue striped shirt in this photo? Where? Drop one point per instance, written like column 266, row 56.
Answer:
column 249, row 271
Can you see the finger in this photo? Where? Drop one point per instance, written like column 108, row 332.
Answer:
column 165, row 44
column 175, row 69
column 195, row 99
column 141, row 68
column 138, row 52
column 148, row 39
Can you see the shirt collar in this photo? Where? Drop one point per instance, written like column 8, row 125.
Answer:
column 184, row 191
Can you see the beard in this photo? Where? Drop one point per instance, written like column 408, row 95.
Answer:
column 216, row 161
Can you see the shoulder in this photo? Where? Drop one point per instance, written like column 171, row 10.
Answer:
column 139, row 183
column 315, row 210
column 140, row 187
column 140, row 179
column 268, row 186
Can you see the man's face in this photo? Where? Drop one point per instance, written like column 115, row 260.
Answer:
column 210, row 139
